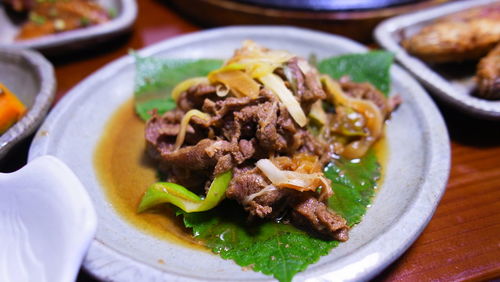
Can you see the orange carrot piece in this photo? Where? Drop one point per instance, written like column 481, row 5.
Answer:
column 11, row 108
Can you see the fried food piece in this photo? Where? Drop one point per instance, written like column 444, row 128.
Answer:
column 488, row 75
column 459, row 37
column 52, row 17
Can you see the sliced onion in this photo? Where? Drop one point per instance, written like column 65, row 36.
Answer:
column 184, row 124
column 238, row 81
column 304, row 66
column 221, row 90
column 185, row 85
column 258, row 60
column 267, row 189
column 276, row 84
column 293, row 180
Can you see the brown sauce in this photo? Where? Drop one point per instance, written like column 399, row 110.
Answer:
column 126, row 172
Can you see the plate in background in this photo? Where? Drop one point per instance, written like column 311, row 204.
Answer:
column 31, row 78
column 416, row 172
column 328, row 5
column 449, row 85
column 73, row 39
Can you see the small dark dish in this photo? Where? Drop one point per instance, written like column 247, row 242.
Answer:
column 31, row 77
column 63, row 42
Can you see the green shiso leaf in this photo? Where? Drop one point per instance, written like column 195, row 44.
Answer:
column 279, row 250
column 155, row 79
column 370, row 67
column 274, row 249
column 282, row 250
column 353, row 183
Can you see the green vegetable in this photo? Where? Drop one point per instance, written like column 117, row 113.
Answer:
column 37, row 19
column 278, row 249
column 274, row 249
column 156, row 78
column 112, row 13
column 165, row 192
column 370, row 67
column 84, row 21
column 353, row 183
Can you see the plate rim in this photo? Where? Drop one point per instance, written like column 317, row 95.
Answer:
column 438, row 85
column 122, row 23
column 435, row 184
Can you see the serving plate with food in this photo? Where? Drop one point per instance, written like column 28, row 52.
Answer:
column 58, row 26
column 27, row 88
column 226, row 155
column 451, row 50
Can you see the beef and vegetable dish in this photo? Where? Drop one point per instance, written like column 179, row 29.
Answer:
column 45, row 17
column 259, row 131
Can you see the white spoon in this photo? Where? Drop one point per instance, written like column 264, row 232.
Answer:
column 47, row 222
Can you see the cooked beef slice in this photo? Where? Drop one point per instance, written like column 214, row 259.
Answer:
column 306, row 210
column 366, row 91
column 248, row 181
column 308, row 87
column 309, row 212
column 194, row 97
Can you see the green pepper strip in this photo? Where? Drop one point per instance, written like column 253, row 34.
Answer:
column 166, row 192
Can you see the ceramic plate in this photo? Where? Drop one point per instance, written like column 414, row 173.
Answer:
column 31, row 78
column 416, row 174
column 449, row 85
column 74, row 39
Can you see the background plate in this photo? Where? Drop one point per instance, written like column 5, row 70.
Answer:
column 415, row 177
column 450, row 86
column 74, row 39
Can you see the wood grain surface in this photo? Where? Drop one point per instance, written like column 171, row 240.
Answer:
column 461, row 242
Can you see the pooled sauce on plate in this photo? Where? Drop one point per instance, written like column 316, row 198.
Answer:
column 125, row 172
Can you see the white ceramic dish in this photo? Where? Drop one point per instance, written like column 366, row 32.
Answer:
column 74, row 39
column 450, row 87
column 47, row 222
column 31, row 78
column 415, row 179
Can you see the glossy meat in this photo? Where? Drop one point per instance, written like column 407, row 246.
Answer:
column 488, row 75
column 464, row 36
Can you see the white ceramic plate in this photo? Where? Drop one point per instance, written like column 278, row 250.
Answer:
column 416, row 174
column 74, row 39
column 452, row 88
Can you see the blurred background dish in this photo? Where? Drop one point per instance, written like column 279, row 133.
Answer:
column 353, row 19
column 453, row 82
column 122, row 15
column 47, row 222
column 30, row 77
column 328, row 5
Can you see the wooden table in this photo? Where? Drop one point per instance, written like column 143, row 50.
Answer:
column 462, row 241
